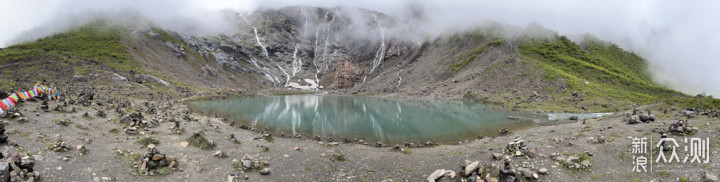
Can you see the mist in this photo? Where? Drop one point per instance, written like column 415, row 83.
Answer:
column 678, row 38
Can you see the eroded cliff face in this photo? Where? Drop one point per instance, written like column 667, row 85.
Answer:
column 336, row 48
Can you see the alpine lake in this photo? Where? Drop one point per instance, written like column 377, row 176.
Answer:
column 391, row 121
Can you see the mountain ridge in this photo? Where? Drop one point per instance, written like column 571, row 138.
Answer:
column 274, row 48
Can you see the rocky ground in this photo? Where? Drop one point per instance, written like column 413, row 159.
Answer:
column 103, row 138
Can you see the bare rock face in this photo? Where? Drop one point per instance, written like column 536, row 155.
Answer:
column 345, row 75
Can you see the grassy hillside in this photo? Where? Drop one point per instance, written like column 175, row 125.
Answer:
column 467, row 57
column 602, row 73
column 97, row 42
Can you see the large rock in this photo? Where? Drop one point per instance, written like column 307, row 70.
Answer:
column 472, row 167
column 79, row 78
column 634, row 119
column 27, row 163
column 120, row 80
column 527, row 173
column 4, row 171
column 436, row 175
column 497, row 156
column 709, row 177
column 155, row 80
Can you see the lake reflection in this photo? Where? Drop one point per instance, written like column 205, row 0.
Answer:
column 368, row 118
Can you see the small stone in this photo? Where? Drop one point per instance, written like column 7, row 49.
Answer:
column 573, row 159
column 184, row 144
column 296, row 148
column 143, row 166
column 543, row 171
column 59, row 168
column 265, row 171
column 219, row 154
column 452, row 175
column 158, row 157
column 151, row 146
column 585, row 163
column 526, row 172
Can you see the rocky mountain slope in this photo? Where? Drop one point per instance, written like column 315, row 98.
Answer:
column 349, row 51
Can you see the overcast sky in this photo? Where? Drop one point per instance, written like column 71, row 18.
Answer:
column 679, row 38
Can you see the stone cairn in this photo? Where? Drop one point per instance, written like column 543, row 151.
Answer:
column 15, row 167
column 503, row 131
column 682, row 127
column 154, row 159
column 44, row 105
column 58, row 146
column 508, row 172
column 517, row 148
column 639, row 117
column 664, row 144
column 135, row 121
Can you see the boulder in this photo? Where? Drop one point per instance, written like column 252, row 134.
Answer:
column 79, row 78
column 155, row 80
column 436, row 175
column 4, row 171
column 497, row 156
column 472, row 167
column 634, row 119
column 120, row 80
column 709, row 177
column 27, row 164
column 527, row 173
column 644, row 117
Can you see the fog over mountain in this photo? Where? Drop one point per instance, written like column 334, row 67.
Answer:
column 678, row 38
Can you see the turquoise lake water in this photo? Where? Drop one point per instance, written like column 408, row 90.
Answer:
column 369, row 118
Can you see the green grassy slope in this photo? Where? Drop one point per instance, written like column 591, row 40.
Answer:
column 603, row 73
column 98, row 42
